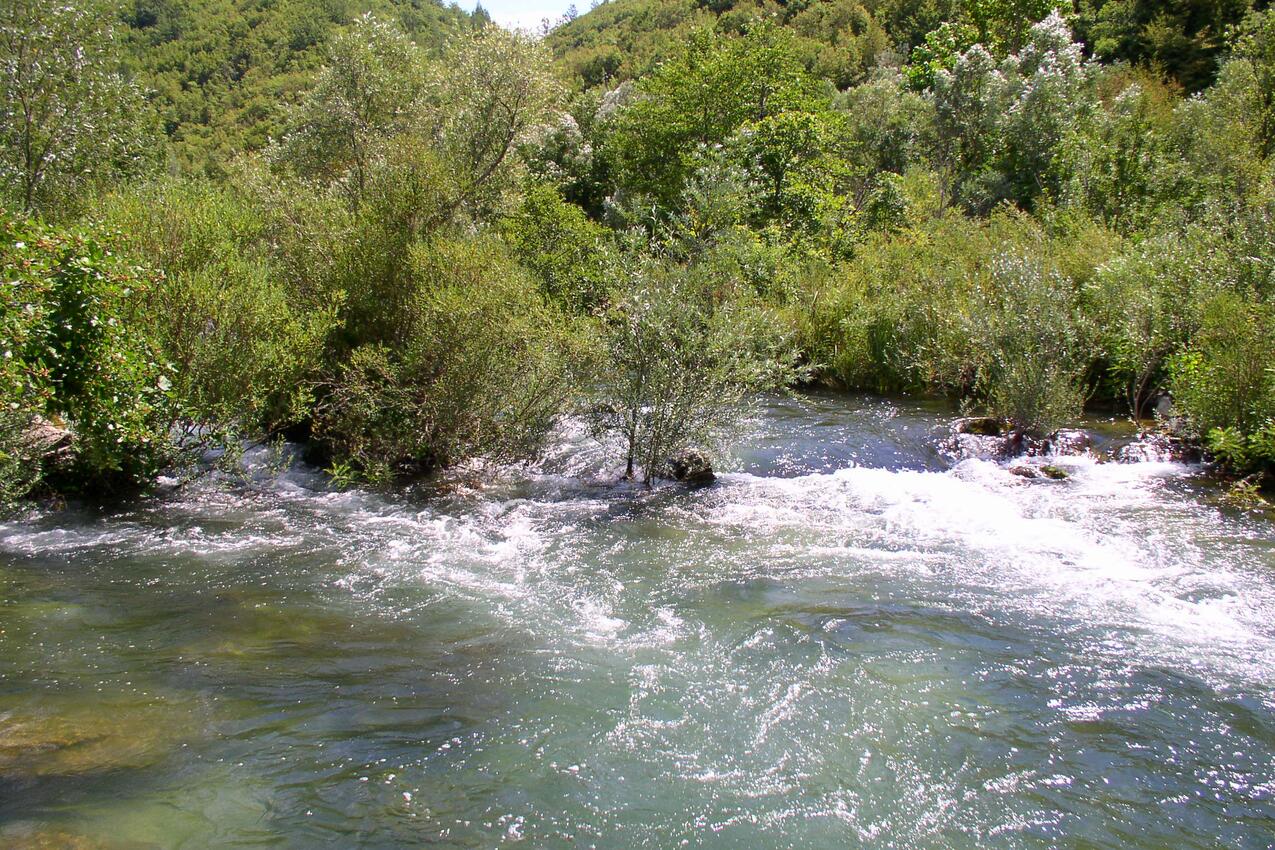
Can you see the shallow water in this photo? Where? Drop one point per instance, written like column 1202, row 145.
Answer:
column 849, row 640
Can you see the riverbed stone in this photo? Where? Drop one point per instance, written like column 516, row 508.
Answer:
column 32, row 837
column 981, row 426
column 1068, row 442
column 60, row 738
column 691, row 467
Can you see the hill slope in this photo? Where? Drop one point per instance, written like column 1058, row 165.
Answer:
column 224, row 71
column 1184, row 40
column 623, row 39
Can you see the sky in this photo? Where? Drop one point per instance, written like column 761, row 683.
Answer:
column 527, row 13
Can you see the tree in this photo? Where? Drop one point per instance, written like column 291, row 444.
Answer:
column 1000, row 127
column 679, row 362
column 370, row 90
column 699, row 100
column 67, row 116
column 1246, row 84
column 1181, row 39
column 381, row 95
column 490, row 90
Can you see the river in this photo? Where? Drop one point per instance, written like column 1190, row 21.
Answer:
column 850, row 640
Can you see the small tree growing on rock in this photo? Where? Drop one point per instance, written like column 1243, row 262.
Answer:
column 681, row 357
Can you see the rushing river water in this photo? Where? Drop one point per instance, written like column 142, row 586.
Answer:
column 849, row 640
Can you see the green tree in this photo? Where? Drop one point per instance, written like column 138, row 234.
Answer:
column 380, row 96
column 679, row 362
column 1182, row 39
column 491, row 90
column 699, row 100
column 68, row 118
column 1246, row 85
column 369, row 90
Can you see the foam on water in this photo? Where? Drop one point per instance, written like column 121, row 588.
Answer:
column 843, row 640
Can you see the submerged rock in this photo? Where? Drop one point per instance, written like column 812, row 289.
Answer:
column 1160, row 447
column 75, row 739
column 32, row 837
column 1068, row 441
column 691, row 468
column 1024, row 471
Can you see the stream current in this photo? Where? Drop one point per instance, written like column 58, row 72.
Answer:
column 849, row 640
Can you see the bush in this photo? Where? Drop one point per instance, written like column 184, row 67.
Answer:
column 1225, row 379
column 243, row 333
column 557, row 241
column 1035, row 345
column 682, row 353
column 480, row 369
column 74, row 355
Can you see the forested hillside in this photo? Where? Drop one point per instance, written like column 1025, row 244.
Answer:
column 407, row 238
column 840, row 39
column 224, row 72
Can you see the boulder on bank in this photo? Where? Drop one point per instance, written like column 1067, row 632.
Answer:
column 691, row 468
column 49, row 442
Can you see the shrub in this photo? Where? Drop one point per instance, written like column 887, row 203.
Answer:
column 557, row 241
column 682, row 353
column 243, row 333
column 75, row 356
column 1225, row 379
column 479, row 369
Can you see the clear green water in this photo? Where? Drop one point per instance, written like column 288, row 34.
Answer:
column 848, row 641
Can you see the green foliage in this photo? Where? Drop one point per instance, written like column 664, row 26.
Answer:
column 1035, row 344
column 1123, row 166
column 68, row 118
column 382, row 105
column 556, row 241
column 225, row 72
column 1004, row 26
column 619, row 40
column 369, row 90
column 430, row 261
column 1224, row 377
column 1001, row 128
column 993, row 311
column 1182, row 39
column 699, row 100
column 1245, row 91
column 940, row 52
column 243, row 334
column 682, row 354
column 479, row 368
column 74, row 355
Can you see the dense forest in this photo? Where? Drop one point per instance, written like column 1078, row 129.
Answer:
column 407, row 238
